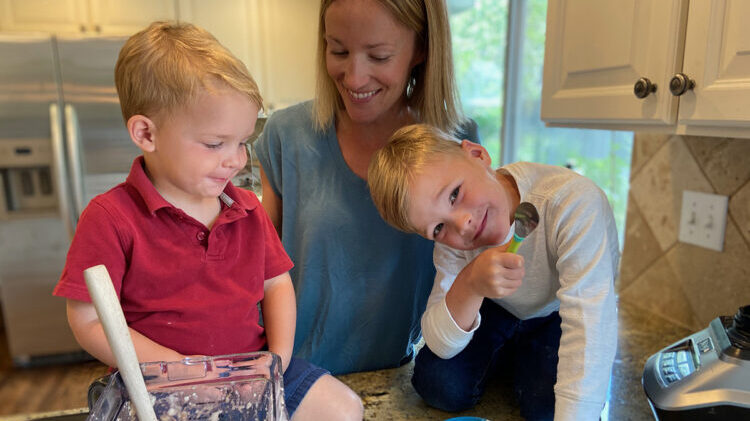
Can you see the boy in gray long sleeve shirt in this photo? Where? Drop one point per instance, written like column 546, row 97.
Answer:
column 546, row 315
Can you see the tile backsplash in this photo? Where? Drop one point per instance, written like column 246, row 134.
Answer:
column 687, row 284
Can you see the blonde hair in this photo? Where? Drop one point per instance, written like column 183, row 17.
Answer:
column 166, row 65
column 431, row 91
column 394, row 166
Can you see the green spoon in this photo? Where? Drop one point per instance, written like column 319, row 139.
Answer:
column 526, row 219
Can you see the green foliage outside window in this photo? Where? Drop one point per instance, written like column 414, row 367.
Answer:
column 479, row 29
column 479, row 39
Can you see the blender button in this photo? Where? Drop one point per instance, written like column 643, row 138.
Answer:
column 684, row 369
column 682, row 356
column 705, row 345
column 671, row 378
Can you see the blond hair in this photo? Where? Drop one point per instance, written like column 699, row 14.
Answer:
column 431, row 91
column 394, row 166
column 166, row 65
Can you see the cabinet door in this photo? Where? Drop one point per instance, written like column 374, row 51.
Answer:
column 595, row 51
column 227, row 20
column 287, row 41
column 117, row 17
column 717, row 58
column 275, row 39
column 43, row 15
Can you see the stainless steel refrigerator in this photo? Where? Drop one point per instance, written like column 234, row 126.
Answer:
column 62, row 141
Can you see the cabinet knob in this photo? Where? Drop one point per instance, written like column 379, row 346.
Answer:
column 643, row 87
column 680, row 84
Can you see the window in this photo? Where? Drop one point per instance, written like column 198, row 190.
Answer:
column 498, row 48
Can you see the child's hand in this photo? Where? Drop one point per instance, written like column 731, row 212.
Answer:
column 495, row 273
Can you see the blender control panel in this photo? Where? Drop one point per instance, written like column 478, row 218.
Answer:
column 677, row 363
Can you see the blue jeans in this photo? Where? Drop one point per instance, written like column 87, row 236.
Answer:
column 503, row 345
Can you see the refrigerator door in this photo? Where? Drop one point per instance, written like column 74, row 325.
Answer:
column 33, row 239
column 99, row 148
column 27, row 86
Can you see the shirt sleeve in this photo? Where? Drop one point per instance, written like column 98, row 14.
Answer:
column 97, row 241
column 440, row 331
column 277, row 261
column 587, row 258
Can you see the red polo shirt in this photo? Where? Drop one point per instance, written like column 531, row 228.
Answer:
column 188, row 288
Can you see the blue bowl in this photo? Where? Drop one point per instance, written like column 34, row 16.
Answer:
column 467, row 419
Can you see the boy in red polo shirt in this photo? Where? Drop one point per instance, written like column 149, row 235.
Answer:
column 189, row 254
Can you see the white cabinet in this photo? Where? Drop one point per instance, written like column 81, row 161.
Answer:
column 717, row 57
column 286, row 48
column 106, row 17
column 276, row 39
column 596, row 53
column 227, row 20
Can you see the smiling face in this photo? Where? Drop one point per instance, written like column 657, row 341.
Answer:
column 369, row 57
column 458, row 200
column 200, row 147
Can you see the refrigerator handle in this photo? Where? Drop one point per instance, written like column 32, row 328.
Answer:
column 73, row 147
column 60, row 169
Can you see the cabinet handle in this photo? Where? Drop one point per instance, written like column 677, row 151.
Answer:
column 680, row 84
column 643, row 87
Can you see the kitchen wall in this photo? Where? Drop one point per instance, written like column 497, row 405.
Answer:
column 684, row 283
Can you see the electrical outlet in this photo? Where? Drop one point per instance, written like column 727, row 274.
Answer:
column 703, row 219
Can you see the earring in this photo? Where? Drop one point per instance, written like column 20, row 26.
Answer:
column 411, row 84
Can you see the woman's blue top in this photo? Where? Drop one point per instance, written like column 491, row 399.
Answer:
column 361, row 285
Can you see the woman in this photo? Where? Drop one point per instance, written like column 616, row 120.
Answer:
column 361, row 285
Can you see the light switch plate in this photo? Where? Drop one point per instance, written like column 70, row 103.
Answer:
column 703, row 219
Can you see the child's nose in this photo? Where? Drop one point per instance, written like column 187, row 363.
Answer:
column 237, row 159
column 462, row 222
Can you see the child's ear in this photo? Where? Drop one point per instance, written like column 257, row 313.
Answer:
column 141, row 129
column 477, row 151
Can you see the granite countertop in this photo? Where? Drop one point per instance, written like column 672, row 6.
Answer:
column 388, row 394
column 78, row 414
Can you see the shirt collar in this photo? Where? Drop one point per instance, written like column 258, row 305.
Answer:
column 138, row 179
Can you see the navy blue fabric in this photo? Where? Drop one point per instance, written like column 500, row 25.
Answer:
column 298, row 378
column 503, row 345
column 361, row 285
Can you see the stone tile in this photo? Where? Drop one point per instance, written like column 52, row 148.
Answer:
column 715, row 283
column 657, row 189
column 726, row 162
column 645, row 146
column 739, row 209
column 640, row 249
column 660, row 291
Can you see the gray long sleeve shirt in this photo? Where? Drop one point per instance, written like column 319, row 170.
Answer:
column 571, row 261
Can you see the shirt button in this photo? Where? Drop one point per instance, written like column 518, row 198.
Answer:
column 201, row 236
